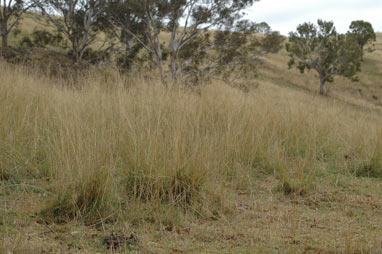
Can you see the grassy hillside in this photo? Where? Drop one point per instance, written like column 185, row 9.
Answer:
column 366, row 93
column 276, row 170
column 221, row 172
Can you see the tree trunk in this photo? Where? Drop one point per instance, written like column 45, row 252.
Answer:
column 174, row 51
column 173, row 66
column 4, row 44
column 158, row 58
column 158, row 61
column 322, row 86
column 76, row 57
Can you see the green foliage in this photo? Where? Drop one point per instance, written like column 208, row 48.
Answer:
column 122, row 22
column 229, row 53
column 43, row 38
column 16, row 32
column 362, row 32
column 91, row 56
column 197, row 52
column 215, row 39
column 194, row 50
column 322, row 49
column 26, row 42
column 272, row 42
column 80, row 23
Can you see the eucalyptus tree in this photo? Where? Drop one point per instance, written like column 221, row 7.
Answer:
column 190, row 24
column 363, row 33
column 201, row 37
column 211, row 37
column 227, row 54
column 11, row 12
column 321, row 48
column 78, row 20
column 124, row 21
column 140, row 22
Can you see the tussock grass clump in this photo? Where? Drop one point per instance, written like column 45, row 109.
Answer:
column 90, row 200
column 180, row 189
column 116, row 141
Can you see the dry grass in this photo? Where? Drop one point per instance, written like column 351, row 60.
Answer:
column 218, row 171
column 276, row 170
column 366, row 93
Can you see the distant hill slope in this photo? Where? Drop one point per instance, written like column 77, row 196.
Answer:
column 367, row 92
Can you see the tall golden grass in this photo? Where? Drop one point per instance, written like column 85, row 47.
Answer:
column 109, row 141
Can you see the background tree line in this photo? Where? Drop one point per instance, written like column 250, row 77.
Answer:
column 183, row 39
column 205, row 38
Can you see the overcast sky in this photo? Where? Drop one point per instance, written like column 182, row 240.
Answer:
column 286, row 15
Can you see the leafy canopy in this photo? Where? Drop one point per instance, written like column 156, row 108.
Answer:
column 206, row 38
column 321, row 48
column 362, row 32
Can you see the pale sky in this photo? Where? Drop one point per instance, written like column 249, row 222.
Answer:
column 286, row 15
